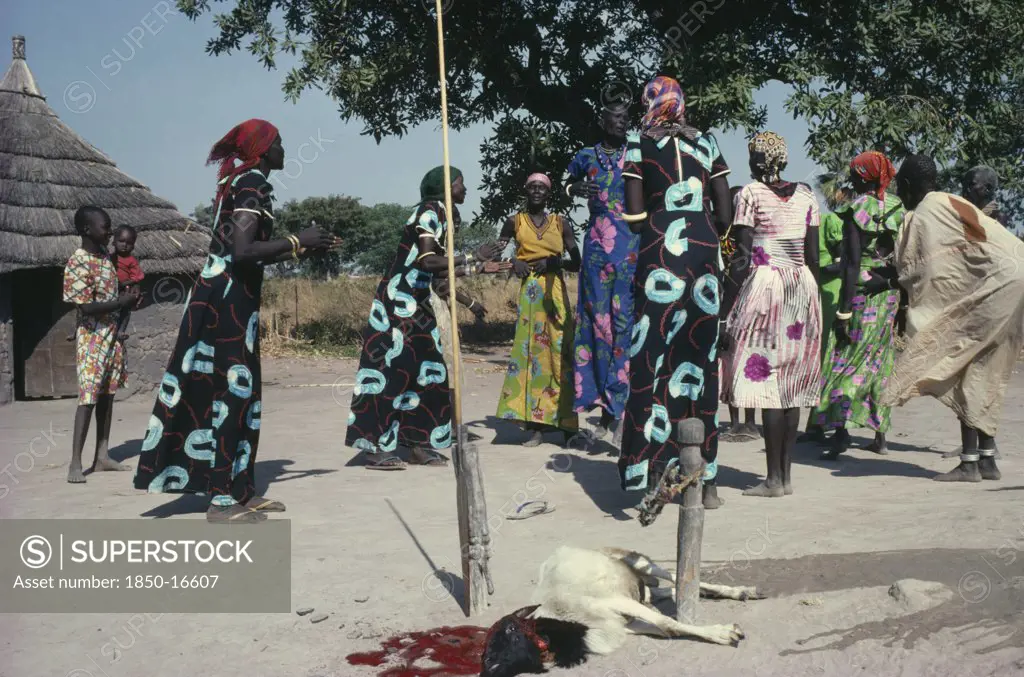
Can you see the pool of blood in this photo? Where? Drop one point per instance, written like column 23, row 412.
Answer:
column 447, row 651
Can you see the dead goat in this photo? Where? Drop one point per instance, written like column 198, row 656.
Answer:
column 589, row 602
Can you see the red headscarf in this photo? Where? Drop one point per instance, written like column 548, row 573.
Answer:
column 246, row 142
column 874, row 167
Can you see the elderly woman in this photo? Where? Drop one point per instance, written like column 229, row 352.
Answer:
column 538, row 387
column 205, row 427
column 774, row 325
column 860, row 351
column 401, row 395
column 673, row 174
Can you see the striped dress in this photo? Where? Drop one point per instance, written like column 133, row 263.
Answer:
column 774, row 361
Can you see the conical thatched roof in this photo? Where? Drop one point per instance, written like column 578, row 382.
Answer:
column 47, row 172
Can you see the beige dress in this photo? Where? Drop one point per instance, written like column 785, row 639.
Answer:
column 964, row 274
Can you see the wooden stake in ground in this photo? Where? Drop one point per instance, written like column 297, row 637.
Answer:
column 691, row 523
column 474, row 540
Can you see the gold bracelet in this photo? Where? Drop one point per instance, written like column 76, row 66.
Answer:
column 633, row 218
column 295, row 246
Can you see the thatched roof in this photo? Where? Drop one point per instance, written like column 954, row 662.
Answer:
column 47, row 172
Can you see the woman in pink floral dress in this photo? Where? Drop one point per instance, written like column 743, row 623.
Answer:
column 773, row 338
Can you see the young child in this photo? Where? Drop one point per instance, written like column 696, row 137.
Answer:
column 129, row 272
column 90, row 283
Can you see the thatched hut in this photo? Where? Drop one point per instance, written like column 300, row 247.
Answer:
column 47, row 171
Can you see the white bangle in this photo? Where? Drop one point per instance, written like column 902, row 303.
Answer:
column 844, row 316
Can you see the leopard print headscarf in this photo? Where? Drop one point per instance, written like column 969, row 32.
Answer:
column 776, row 156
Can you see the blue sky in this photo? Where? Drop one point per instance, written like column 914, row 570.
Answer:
column 132, row 77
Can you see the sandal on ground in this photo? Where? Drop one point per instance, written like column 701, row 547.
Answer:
column 422, row 456
column 233, row 514
column 541, row 508
column 264, row 504
column 382, row 461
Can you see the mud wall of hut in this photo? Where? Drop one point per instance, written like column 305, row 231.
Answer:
column 6, row 341
column 153, row 331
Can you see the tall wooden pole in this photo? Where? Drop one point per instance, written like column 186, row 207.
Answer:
column 474, row 541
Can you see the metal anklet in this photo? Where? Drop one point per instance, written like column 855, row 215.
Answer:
column 986, row 453
column 970, row 458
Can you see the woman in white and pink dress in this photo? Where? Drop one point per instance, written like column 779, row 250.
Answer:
column 773, row 335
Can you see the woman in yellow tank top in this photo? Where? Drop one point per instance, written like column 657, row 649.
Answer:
column 538, row 387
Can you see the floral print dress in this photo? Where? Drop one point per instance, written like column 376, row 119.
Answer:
column 99, row 356
column 538, row 387
column 605, row 307
column 774, row 361
column 857, row 374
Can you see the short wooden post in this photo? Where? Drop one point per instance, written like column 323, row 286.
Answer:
column 691, row 523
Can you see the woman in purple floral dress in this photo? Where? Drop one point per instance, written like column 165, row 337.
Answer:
column 773, row 343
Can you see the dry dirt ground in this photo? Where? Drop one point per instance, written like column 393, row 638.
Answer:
column 379, row 551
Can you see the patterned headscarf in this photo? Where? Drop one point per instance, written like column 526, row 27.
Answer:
column 665, row 107
column 247, row 142
column 776, row 156
column 874, row 167
column 432, row 185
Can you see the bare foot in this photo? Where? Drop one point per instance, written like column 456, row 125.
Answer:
column 75, row 474
column 617, row 437
column 787, row 489
column 879, row 445
column 535, row 439
column 711, row 499
column 840, row 443
column 967, row 471
column 766, row 490
column 740, row 433
column 987, row 468
column 108, row 463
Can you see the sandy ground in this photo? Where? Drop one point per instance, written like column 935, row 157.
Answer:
column 379, row 551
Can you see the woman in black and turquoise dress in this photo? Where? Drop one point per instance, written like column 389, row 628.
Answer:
column 204, row 431
column 673, row 174
column 401, row 395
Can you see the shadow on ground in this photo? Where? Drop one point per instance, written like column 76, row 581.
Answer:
column 988, row 592
column 267, row 473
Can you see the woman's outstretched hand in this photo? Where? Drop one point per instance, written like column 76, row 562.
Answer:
column 318, row 239
column 584, row 189
column 489, row 251
column 495, row 266
column 520, row 268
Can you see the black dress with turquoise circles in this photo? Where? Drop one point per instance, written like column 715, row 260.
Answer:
column 205, row 428
column 677, row 296
column 401, row 394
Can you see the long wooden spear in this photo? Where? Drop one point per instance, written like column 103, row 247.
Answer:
column 474, row 540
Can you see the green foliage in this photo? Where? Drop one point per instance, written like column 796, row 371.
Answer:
column 936, row 76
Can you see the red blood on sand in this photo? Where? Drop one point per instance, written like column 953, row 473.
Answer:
column 446, row 650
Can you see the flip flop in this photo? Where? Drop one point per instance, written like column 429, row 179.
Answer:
column 428, row 457
column 542, row 509
column 231, row 515
column 381, row 461
column 264, row 504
